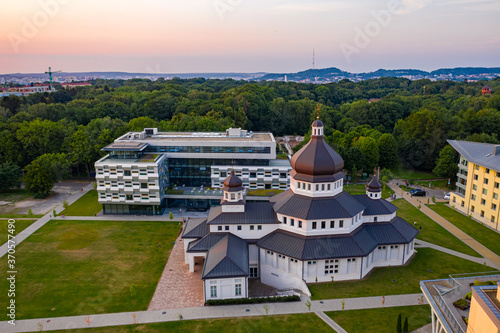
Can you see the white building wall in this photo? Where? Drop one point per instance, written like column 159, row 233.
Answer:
column 225, row 288
column 305, row 227
column 286, row 276
column 246, row 231
column 316, row 190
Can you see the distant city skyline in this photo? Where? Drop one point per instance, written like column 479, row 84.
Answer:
column 156, row 36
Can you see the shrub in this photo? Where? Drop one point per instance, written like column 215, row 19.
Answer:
column 269, row 299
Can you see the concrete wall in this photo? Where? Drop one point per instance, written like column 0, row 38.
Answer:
column 225, row 288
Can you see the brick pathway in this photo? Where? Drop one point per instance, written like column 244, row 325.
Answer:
column 178, row 288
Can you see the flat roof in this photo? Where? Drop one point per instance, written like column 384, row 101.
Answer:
column 126, row 146
column 197, row 136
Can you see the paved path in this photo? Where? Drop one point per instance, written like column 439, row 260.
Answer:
column 44, row 219
column 207, row 312
column 329, row 321
column 455, row 253
column 494, row 259
column 178, row 287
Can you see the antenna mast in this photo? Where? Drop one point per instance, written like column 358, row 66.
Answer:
column 313, row 58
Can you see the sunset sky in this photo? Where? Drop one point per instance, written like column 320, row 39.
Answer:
column 174, row 36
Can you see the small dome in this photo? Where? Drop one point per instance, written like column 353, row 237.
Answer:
column 317, row 123
column 374, row 185
column 233, row 181
column 317, row 158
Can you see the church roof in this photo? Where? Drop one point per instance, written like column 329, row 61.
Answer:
column 227, row 258
column 317, row 123
column 374, row 185
column 356, row 244
column 195, row 228
column 233, row 183
column 255, row 213
column 342, row 205
column 317, row 158
column 204, row 244
column 375, row 207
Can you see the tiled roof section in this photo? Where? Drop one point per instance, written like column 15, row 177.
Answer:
column 343, row 205
column 478, row 153
column 357, row 244
column 204, row 244
column 195, row 228
column 255, row 213
column 375, row 207
column 227, row 258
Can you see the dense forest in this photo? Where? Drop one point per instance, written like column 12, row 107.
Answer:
column 381, row 122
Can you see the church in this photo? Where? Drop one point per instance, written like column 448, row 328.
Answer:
column 312, row 232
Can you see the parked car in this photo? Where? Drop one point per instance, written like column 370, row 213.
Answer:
column 417, row 192
column 447, row 196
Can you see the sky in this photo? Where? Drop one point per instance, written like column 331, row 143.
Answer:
column 187, row 36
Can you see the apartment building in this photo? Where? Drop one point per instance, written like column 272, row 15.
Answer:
column 156, row 160
column 478, row 181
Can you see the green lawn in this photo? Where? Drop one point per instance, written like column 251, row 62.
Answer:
column 15, row 195
column 484, row 235
column 20, row 225
column 356, row 189
column 301, row 323
column 428, row 264
column 436, row 184
column 87, row 205
column 403, row 173
column 17, row 216
column 263, row 192
column 383, row 320
column 82, row 267
column 431, row 231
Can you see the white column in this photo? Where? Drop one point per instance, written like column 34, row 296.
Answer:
column 191, row 263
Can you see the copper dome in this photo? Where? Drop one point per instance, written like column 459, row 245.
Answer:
column 233, row 182
column 374, row 185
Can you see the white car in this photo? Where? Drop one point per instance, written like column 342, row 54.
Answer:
column 447, row 196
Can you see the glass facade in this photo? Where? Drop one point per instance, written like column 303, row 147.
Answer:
column 133, row 209
column 209, row 149
column 196, row 171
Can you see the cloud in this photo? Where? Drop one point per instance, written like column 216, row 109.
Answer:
column 410, row 6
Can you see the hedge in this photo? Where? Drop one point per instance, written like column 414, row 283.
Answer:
column 229, row 301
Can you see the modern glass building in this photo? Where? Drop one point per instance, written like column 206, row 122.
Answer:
column 140, row 166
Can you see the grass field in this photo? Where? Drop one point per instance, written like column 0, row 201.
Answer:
column 263, row 192
column 428, row 264
column 436, row 184
column 87, row 205
column 431, row 231
column 307, row 322
column 484, row 235
column 357, row 189
column 403, row 173
column 20, row 225
column 79, row 267
column 383, row 320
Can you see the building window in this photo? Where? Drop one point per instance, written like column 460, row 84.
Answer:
column 144, row 185
column 323, row 224
column 474, row 187
column 485, row 180
column 497, row 185
column 292, row 222
column 375, row 219
column 322, row 187
column 477, row 167
column 219, row 228
column 129, row 196
column 332, row 224
column 483, row 202
column 308, row 187
column 462, row 204
column 213, row 291
column 473, row 197
column 494, row 206
column 495, row 196
column 226, row 228
column 252, row 227
column 298, row 184
column 237, row 289
column 314, row 225
column 284, row 219
column 239, row 227
column 487, row 170
column 253, row 272
column 482, row 213
column 300, row 224
column 472, row 208
column 259, row 227
column 329, row 185
column 492, row 218
column 341, row 223
column 317, row 187
column 476, row 177
column 126, row 172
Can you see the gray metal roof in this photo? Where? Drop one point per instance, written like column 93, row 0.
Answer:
column 227, row 258
column 375, row 206
column 356, row 244
column 478, row 153
column 343, row 205
column 126, row 146
column 204, row 244
column 255, row 213
column 195, row 228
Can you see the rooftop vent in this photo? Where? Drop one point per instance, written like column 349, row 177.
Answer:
column 151, row 131
column 496, row 150
column 236, row 133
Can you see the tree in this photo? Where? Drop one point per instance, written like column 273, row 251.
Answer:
column 446, row 166
column 10, row 176
column 369, row 148
column 388, row 150
column 43, row 172
column 405, row 325
column 398, row 324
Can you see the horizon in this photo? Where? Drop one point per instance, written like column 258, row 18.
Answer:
column 236, row 36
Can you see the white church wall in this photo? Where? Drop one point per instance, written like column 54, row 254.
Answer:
column 226, row 288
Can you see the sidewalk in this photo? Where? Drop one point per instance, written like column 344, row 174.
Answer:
column 454, row 253
column 494, row 259
column 208, row 312
column 44, row 219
